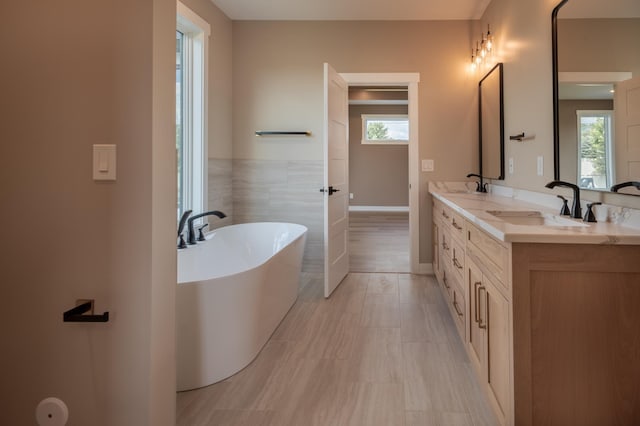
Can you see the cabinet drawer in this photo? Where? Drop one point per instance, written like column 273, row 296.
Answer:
column 459, row 309
column 457, row 259
column 457, row 224
column 445, row 246
column 493, row 255
column 447, row 282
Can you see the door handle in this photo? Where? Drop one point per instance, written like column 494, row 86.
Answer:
column 331, row 190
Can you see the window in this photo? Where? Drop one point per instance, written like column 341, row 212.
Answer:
column 595, row 149
column 385, row 129
column 192, row 35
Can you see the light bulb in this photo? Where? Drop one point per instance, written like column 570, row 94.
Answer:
column 489, row 42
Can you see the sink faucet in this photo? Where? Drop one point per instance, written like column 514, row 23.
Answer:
column 618, row 186
column 183, row 220
column 480, row 187
column 191, row 234
column 576, row 210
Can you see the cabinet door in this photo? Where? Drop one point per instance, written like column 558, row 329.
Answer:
column 476, row 337
column 436, row 250
column 497, row 322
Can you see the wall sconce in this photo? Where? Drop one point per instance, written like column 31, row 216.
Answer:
column 483, row 50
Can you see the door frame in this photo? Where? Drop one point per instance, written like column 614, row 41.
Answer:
column 410, row 80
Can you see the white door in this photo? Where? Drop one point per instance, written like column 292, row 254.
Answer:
column 627, row 133
column 336, row 179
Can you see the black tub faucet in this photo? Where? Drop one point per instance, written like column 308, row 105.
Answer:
column 576, row 210
column 618, row 186
column 183, row 220
column 191, row 234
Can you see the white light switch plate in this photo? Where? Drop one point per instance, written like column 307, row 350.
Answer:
column 104, row 162
column 540, row 165
column 427, row 165
column 510, row 165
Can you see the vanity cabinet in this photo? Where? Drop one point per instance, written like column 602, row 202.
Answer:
column 489, row 339
column 449, row 267
column 552, row 330
column 473, row 270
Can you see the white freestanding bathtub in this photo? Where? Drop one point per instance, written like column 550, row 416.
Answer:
column 233, row 291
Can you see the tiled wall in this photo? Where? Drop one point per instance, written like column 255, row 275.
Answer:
column 282, row 191
column 220, row 191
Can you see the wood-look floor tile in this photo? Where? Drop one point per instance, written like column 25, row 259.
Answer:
column 329, row 334
column 237, row 418
column 308, row 398
column 383, row 284
column 295, row 324
column 381, row 310
column 436, row 418
column 377, row 356
column 369, row 404
column 244, row 389
column 432, row 381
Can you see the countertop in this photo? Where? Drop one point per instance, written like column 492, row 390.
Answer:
column 475, row 207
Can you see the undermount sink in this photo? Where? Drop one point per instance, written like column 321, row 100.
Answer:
column 533, row 218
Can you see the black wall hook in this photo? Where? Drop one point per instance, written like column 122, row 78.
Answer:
column 76, row 314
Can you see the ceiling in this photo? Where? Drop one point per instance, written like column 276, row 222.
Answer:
column 352, row 10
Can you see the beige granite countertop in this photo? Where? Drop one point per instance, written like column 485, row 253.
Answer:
column 475, row 206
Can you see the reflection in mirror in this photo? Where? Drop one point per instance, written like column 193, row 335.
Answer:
column 597, row 93
column 491, row 127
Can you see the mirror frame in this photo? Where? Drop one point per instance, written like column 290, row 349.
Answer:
column 556, row 101
column 499, row 67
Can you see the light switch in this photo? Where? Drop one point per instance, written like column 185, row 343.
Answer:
column 104, row 162
column 427, row 165
column 540, row 165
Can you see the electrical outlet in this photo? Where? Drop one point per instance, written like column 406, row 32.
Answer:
column 510, row 165
column 540, row 165
column 351, row 195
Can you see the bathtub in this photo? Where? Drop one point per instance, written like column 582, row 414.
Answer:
column 233, row 291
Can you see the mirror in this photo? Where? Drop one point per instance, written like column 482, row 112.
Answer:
column 596, row 93
column 491, row 125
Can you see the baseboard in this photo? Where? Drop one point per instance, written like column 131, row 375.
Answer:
column 424, row 269
column 379, row 209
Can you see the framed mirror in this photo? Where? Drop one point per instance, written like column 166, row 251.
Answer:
column 491, row 124
column 596, row 93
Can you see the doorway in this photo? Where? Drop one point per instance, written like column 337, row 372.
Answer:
column 388, row 228
column 379, row 179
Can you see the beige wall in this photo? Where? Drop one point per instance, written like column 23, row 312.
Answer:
column 523, row 39
column 278, row 84
column 85, row 72
column 378, row 174
column 614, row 40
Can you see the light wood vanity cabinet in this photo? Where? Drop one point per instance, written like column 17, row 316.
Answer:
column 552, row 330
column 449, row 268
column 489, row 340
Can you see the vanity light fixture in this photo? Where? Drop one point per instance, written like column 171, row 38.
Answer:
column 481, row 53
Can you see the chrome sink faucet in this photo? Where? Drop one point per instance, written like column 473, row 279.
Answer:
column 191, row 234
column 576, row 210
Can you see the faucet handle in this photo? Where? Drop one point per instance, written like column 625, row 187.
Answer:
column 589, row 216
column 564, row 210
column 200, row 234
column 182, row 244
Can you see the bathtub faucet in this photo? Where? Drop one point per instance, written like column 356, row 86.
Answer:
column 191, row 236
column 183, row 220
